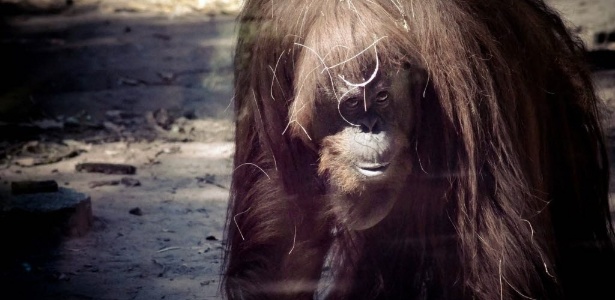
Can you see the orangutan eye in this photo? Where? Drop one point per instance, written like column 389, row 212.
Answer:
column 382, row 97
column 352, row 102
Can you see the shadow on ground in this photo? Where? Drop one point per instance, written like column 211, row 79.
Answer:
column 117, row 87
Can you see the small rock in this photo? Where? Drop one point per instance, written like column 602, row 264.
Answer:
column 26, row 162
column 95, row 184
column 130, row 182
column 136, row 211
column 106, row 168
column 163, row 118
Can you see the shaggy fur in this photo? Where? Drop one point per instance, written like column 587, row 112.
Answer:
column 507, row 194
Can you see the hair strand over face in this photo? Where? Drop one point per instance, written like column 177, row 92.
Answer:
column 509, row 145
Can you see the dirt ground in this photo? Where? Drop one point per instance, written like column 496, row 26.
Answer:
column 104, row 83
column 146, row 83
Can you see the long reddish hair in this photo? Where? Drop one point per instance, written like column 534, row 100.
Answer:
column 510, row 196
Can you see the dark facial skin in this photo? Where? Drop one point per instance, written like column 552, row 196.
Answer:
column 366, row 135
column 384, row 104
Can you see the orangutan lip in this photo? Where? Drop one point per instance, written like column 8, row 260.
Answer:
column 372, row 169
